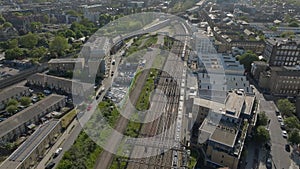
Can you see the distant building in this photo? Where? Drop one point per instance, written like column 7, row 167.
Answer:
column 16, row 125
column 34, row 148
column 282, row 52
column 135, row 4
column 14, row 92
column 225, row 139
column 65, row 65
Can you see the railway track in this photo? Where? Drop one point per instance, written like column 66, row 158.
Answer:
column 171, row 88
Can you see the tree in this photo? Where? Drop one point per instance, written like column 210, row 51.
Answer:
column 12, row 102
column 294, row 137
column 262, row 134
column 25, row 101
column 59, row 45
column 287, row 34
column 262, row 119
column 247, row 59
column 69, row 33
column 36, row 26
column 286, row 107
column 15, row 53
column 292, row 123
column 12, row 44
column 7, row 25
column 29, row 41
column 38, row 52
column 293, row 24
column 12, row 109
column 2, row 20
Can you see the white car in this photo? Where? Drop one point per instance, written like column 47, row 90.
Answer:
column 279, row 118
column 57, row 152
column 284, row 134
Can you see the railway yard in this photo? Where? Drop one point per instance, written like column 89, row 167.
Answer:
column 159, row 139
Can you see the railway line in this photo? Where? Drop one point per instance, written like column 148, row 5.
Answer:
column 162, row 128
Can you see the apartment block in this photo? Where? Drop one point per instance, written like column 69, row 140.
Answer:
column 66, row 64
column 34, row 148
column 225, row 127
column 14, row 92
column 16, row 125
column 282, row 52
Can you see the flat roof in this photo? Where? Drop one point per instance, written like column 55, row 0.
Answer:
column 18, row 156
column 215, row 106
column 12, row 91
column 67, row 60
column 27, row 114
column 234, row 103
column 219, row 133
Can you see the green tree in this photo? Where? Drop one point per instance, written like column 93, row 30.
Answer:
column 43, row 42
column 2, row 20
column 25, row 101
column 12, row 102
column 7, row 25
column 262, row 134
column 36, row 26
column 59, row 45
column 262, row 119
column 287, row 34
column 12, row 44
column 293, row 24
column 15, row 53
column 286, row 107
column 247, row 59
column 38, row 52
column 294, row 137
column 69, row 33
column 29, row 41
column 292, row 123
column 12, row 109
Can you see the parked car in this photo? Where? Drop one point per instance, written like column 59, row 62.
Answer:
column 89, row 108
column 280, row 118
column 269, row 163
column 282, row 125
column 284, row 134
column 50, row 165
column 57, row 152
column 287, row 148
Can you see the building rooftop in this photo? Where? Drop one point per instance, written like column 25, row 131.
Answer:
column 67, row 60
column 219, row 133
column 28, row 114
column 77, row 87
column 11, row 91
column 18, row 156
column 282, row 41
column 234, row 103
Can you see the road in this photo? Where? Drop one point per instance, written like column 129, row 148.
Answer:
column 281, row 158
column 65, row 141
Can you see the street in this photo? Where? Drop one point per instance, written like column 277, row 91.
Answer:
column 280, row 157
